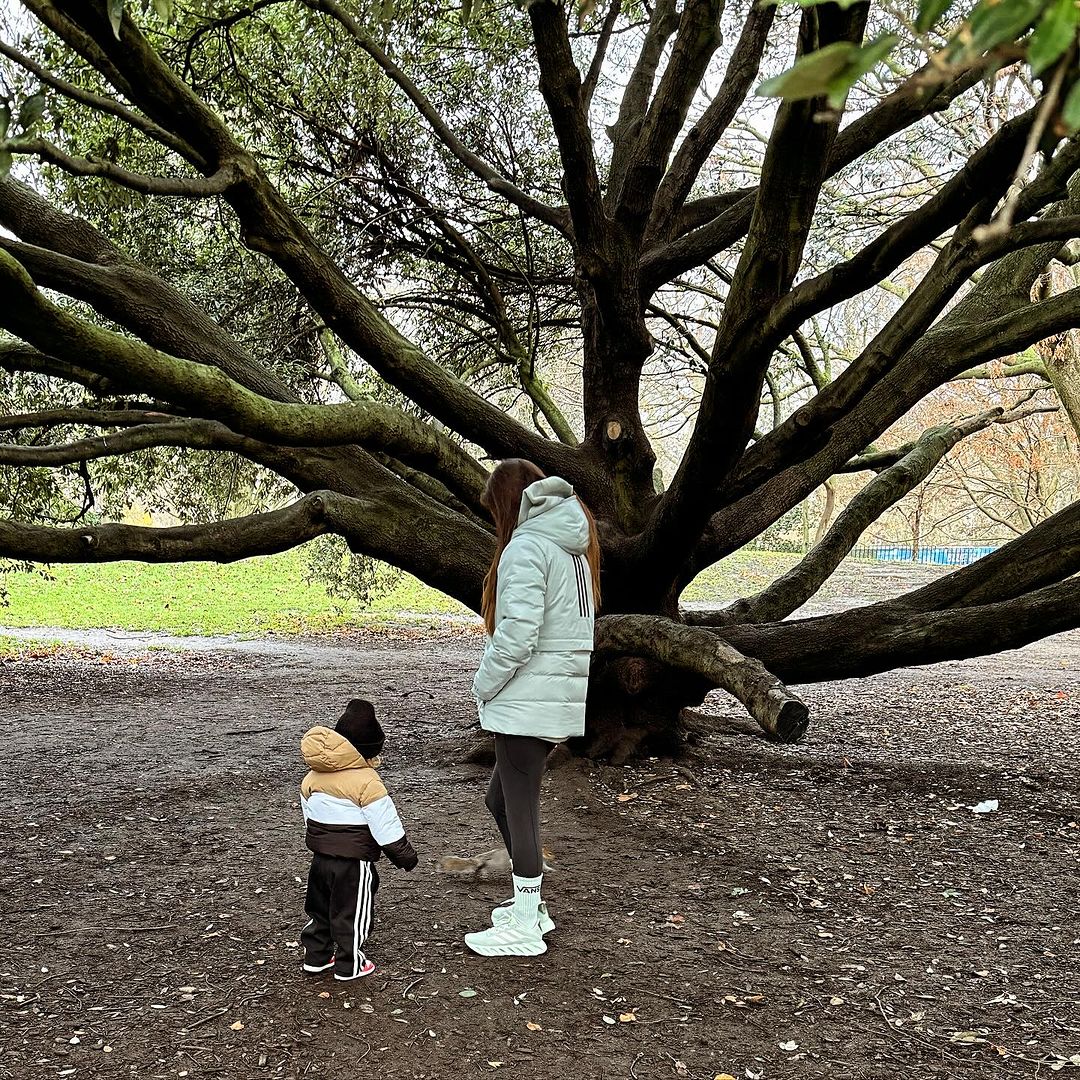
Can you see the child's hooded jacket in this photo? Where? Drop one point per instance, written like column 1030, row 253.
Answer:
column 347, row 809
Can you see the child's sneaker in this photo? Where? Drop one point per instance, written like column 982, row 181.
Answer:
column 508, row 939
column 314, row 968
column 365, row 969
column 504, row 912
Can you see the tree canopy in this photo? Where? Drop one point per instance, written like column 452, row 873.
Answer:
column 305, row 267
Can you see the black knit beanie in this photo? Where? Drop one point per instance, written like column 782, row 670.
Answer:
column 359, row 726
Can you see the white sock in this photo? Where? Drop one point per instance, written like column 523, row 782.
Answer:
column 527, row 899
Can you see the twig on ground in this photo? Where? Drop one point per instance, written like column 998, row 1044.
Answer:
column 110, row 929
column 207, row 1019
column 666, row 997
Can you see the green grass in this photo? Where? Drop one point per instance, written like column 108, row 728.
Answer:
column 742, row 573
column 255, row 596
column 269, row 595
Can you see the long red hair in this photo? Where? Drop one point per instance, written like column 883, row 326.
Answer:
column 502, row 500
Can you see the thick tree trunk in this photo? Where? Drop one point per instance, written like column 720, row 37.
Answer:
column 635, row 709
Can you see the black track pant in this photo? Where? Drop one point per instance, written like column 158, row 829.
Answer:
column 513, row 797
column 341, row 905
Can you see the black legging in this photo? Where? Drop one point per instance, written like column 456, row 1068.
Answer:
column 513, row 797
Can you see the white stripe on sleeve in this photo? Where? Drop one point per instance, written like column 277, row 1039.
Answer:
column 383, row 821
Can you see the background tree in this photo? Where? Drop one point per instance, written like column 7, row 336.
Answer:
column 348, row 250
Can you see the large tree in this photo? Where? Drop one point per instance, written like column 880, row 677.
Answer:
column 353, row 248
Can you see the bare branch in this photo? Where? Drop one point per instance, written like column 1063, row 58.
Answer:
column 881, row 637
column 695, row 43
column 1010, row 369
column 663, row 22
column 793, row 172
column 84, row 418
column 14, row 356
column 906, row 105
column 226, row 541
column 815, row 442
column 912, row 232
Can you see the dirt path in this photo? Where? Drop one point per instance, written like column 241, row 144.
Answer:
column 829, row 910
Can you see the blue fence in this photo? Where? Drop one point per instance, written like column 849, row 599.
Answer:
column 936, row 556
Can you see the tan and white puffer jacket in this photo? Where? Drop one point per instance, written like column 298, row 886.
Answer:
column 346, row 806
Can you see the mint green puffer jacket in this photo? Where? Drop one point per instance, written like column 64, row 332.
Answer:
column 535, row 672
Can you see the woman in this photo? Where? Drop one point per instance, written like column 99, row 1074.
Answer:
column 539, row 605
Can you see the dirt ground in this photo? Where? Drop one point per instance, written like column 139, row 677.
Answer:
column 835, row 909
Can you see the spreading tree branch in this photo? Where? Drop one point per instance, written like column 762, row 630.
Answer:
column 915, row 230
column 14, row 356
column 223, row 542
column 772, row 705
column 190, row 434
column 904, row 107
column 663, row 22
column 183, row 187
column 96, row 101
column 865, row 641
column 790, row 591
column 994, row 319
column 50, row 418
column 592, row 77
column 696, row 41
column 560, row 85
column 792, row 175
column 200, row 387
column 271, row 227
column 703, row 136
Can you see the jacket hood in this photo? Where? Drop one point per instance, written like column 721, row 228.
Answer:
column 328, row 751
column 549, row 508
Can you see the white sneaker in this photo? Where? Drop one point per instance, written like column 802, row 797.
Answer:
column 508, row 939
column 503, row 913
